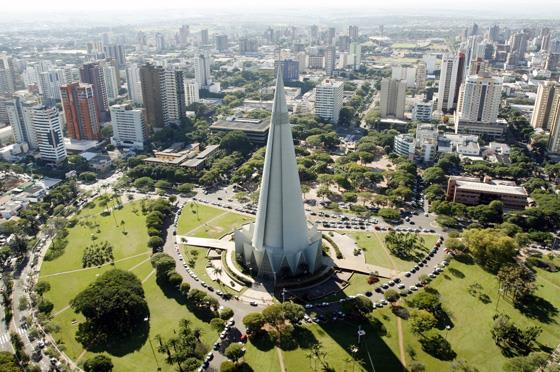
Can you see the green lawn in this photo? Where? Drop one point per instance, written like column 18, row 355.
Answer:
column 376, row 253
column 470, row 336
column 336, row 340
column 208, row 222
column 131, row 253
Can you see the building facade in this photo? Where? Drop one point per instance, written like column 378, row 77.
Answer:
column 129, row 129
column 393, row 98
column 547, row 105
column 92, row 73
column 78, row 102
column 46, row 122
column 473, row 191
column 328, row 100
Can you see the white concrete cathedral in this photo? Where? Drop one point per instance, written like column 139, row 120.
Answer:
column 280, row 242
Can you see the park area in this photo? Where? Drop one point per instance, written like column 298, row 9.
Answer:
column 67, row 277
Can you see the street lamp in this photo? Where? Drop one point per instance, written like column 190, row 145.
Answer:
column 361, row 333
column 447, row 328
column 146, row 319
column 284, row 294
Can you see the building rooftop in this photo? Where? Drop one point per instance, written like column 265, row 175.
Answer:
column 492, row 186
column 243, row 124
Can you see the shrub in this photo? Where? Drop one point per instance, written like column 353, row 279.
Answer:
column 45, row 306
column 226, row 313
column 218, row 324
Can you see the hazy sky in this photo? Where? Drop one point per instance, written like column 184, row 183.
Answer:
column 523, row 7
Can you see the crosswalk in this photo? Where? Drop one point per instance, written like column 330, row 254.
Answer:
column 4, row 339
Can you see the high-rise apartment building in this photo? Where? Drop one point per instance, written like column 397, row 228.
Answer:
column 7, row 77
column 163, row 93
column 204, row 37
column 133, row 83
column 49, row 85
column 19, row 111
column 452, row 69
column 547, row 105
column 48, row 130
column 479, row 99
column 202, row 69
column 290, row 69
column 184, row 33
column 78, row 102
column 129, row 129
column 161, row 45
column 393, row 98
column 353, row 32
column 328, row 100
column 330, row 60
column 221, row 42
column 554, row 139
column 116, row 52
column 248, row 46
column 421, row 75
column 92, row 73
column 355, row 55
column 111, row 79
column 191, row 92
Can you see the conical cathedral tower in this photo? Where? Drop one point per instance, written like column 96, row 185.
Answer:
column 280, row 241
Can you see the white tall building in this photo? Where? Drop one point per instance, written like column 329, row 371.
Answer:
column 46, row 122
column 452, row 68
column 19, row 110
column 393, row 98
column 133, row 83
column 191, row 92
column 479, row 99
column 406, row 73
column 7, row 78
column 49, row 83
column 330, row 60
column 202, row 69
column 328, row 100
column 129, row 129
column 111, row 81
column 173, row 90
column 355, row 55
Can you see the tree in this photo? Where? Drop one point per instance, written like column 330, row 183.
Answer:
column 404, row 245
column 425, row 301
column 391, row 295
column 491, row 248
column 41, row 287
column 236, row 140
column 185, row 188
column 234, row 352
column 434, row 344
column 174, row 279
column 421, row 321
column 389, row 214
column 433, row 175
column 45, row 306
column 184, row 288
column 87, row 176
column 18, row 245
column 516, row 280
column 226, row 313
column 218, row 324
column 163, row 263
column 533, row 362
column 155, row 242
column 107, row 131
column 183, row 348
column 144, row 183
column 253, row 321
column 99, row 363
column 511, row 338
column 8, row 362
column 113, row 305
column 162, row 184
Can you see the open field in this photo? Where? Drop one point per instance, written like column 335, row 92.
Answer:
column 67, row 279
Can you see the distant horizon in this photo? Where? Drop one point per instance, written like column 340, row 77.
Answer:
column 489, row 9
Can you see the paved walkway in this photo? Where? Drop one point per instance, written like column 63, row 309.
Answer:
column 357, row 263
column 206, row 242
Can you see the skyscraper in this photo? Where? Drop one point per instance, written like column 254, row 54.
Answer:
column 355, row 55
column 546, row 104
column 111, row 79
column 221, row 42
column 116, row 52
column 7, row 78
column 330, row 60
column 78, row 102
column 202, row 69
column 163, row 93
column 49, row 85
column 129, row 129
column 479, row 99
column 160, row 42
column 353, row 32
column 421, row 75
column 92, row 73
column 554, row 140
column 184, row 33
column 204, row 36
column 328, row 100
column 133, row 83
column 393, row 98
column 19, row 110
column 452, row 69
column 290, row 69
column 46, row 123
column 280, row 241
column 191, row 92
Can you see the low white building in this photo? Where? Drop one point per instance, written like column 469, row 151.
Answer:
column 422, row 111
